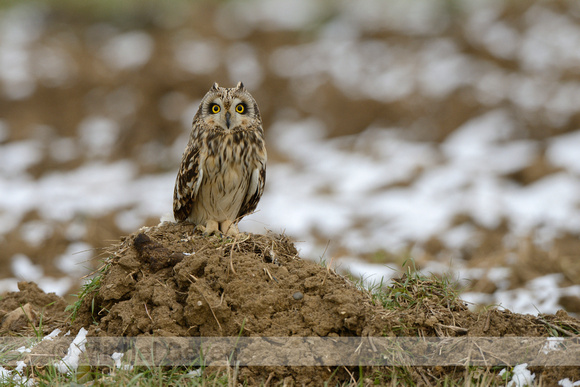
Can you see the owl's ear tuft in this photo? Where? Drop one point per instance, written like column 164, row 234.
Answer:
column 215, row 86
column 240, row 86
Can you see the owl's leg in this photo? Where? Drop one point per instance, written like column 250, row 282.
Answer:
column 228, row 227
column 211, row 227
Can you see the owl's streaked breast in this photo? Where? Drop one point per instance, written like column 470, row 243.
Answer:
column 227, row 167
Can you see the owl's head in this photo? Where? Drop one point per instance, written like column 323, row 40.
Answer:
column 229, row 108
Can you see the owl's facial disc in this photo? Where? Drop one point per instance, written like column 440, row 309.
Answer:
column 228, row 115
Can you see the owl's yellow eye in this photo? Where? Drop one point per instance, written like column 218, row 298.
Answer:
column 240, row 108
column 215, row 108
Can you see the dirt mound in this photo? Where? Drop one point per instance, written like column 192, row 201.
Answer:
column 31, row 307
column 170, row 280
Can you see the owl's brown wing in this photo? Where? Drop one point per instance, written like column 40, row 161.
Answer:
column 187, row 183
column 255, row 191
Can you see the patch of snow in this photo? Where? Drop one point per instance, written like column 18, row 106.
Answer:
column 464, row 235
column 475, row 299
column 20, row 27
column 376, row 70
column 117, row 357
column 8, row 285
column 22, row 24
column 59, row 286
column 550, row 202
column 490, row 86
column 75, row 230
column 548, row 43
column 63, row 149
column 502, row 40
column 280, row 14
column 540, row 295
column 76, row 259
column 197, row 56
column 195, row 373
column 421, row 17
column 128, row 220
column 17, row 156
column 36, row 232
column 553, row 344
column 53, row 65
column 564, row 100
column 24, row 349
column 246, row 67
column 499, row 276
column 369, row 272
column 93, row 189
column 20, row 366
column 530, row 93
column 24, row 269
column 521, row 376
column 476, row 136
column 568, row 383
column 562, row 151
column 15, row 377
column 4, row 131
column 443, row 69
column 5, row 375
column 130, row 50
column 98, row 134
column 71, row 360
column 52, row 335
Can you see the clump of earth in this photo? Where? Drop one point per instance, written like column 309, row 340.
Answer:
column 170, row 280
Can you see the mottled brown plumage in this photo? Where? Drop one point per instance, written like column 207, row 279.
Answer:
column 223, row 168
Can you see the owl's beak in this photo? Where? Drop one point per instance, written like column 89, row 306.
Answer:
column 228, row 116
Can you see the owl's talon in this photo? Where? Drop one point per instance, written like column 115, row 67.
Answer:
column 209, row 229
column 229, row 228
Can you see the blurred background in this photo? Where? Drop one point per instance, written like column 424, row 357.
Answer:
column 441, row 133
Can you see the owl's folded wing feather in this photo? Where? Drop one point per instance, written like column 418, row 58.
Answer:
column 187, row 183
column 255, row 191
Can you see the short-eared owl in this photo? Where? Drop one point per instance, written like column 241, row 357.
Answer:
column 223, row 168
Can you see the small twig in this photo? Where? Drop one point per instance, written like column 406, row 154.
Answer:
column 501, row 360
column 273, row 254
column 453, row 328
column 269, row 378
column 160, row 283
column 147, row 311
column 232, row 255
column 481, row 352
column 424, row 377
column 371, row 343
column 487, row 321
column 270, row 275
column 351, row 376
column 222, row 298
column 325, row 248
column 327, row 269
